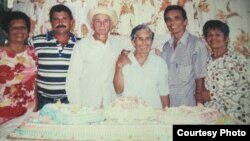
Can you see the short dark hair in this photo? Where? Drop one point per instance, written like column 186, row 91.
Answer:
column 14, row 15
column 216, row 24
column 175, row 7
column 59, row 8
column 138, row 28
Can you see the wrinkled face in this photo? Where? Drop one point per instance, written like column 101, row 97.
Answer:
column 101, row 24
column 216, row 39
column 61, row 22
column 175, row 22
column 142, row 42
column 18, row 31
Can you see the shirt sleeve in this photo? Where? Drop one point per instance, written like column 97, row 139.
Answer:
column 163, row 77
column 200, row 59
column 30, row 42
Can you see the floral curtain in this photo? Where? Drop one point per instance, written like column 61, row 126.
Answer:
column 235, row 13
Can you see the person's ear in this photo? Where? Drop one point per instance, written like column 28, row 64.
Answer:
column 186, row 22
column 72, row 23
column 133, row 43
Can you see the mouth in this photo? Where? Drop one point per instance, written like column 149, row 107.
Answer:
column 19, row 35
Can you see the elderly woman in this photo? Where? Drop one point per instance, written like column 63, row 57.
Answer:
column 228, row 89
column 18, row 67
column 141, row 73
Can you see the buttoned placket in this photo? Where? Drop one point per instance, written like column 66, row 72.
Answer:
column 60, row 49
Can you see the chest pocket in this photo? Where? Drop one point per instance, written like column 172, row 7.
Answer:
column 185, row 72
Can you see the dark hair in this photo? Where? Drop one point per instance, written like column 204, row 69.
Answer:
column 175, row 7
column 59, row 8
column 138, row 28
column 216, row 24
column 14, row 15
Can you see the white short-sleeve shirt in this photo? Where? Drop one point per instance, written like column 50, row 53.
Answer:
column 149, row 81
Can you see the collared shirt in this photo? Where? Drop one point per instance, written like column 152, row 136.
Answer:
column 186, row 63
column 149, row 81
column 91, row 71
column 53, row 61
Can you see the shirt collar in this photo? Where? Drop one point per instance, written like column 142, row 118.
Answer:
column 50, row 36
column 93, row 39
column 183, row 40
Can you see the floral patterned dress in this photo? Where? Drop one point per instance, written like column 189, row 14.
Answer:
column 17, row 82
column 229, row 86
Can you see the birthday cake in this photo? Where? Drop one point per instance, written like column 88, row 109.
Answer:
column 129, row 109
column 189, row 115
column 70, row 114
column 127, row 118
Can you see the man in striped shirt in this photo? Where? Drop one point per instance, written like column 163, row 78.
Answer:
column 54, row 53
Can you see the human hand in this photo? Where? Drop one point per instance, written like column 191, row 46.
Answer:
column 123, row 59
column 202, row 96
column 157, row 51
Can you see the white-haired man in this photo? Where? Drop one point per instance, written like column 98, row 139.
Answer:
column 92, row 65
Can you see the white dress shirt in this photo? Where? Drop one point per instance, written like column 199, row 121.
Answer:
column 90, row 76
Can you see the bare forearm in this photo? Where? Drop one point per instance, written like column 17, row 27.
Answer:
column 200, row 87
column 165, row 101
column 118, row 80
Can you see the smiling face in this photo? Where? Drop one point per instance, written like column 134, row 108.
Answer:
column 175, row 22
column 216, row 39
column 61, row 22
column 142, row 42
column 18, row 31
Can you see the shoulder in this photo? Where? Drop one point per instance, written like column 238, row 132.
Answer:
column 167, row 44
column 233, row 55
column 2, row 49
column 157, row 59
column 83, row 41
column 83, row 44
column 30, row 48
column 195, row 39
column 32, row 52
column 121, row 39
column 39, row 37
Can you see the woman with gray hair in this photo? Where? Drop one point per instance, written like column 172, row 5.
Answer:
column 141, row 73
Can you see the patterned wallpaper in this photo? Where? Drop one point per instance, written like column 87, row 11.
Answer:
column 235, row 13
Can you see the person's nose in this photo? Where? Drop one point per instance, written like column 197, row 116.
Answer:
column 60, row 21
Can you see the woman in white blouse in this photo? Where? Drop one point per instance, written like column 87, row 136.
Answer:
column 141, row 73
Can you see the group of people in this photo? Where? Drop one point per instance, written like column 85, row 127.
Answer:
column 95, row 70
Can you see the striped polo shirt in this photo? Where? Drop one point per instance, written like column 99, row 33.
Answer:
column 53, row 63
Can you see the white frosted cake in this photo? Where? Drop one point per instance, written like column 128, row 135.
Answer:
column 129, row 109
column 189, row 115
column 127, row 118
column 71, row 114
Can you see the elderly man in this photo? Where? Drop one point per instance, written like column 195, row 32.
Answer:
column 91, row 70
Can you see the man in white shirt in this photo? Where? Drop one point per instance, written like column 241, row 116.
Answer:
column 92, row 65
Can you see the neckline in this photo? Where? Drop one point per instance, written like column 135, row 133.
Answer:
column 15, row 51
